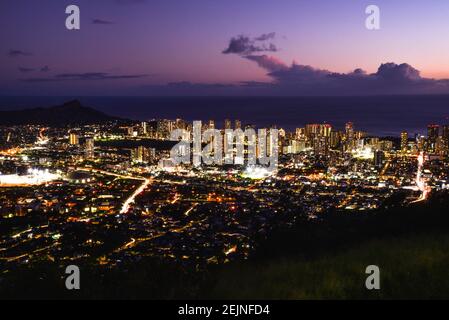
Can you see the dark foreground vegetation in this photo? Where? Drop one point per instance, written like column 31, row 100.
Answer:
column 323, row 259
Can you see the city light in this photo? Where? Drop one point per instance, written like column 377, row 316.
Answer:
column 253, row 172
column 34, row 177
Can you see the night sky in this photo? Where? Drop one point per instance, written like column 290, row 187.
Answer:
column 204, row 47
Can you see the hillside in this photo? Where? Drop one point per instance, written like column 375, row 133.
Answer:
column 70, row 113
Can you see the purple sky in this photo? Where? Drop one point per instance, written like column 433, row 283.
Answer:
column 182, row 47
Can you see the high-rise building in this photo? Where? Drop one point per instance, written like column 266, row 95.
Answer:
column 300, row 133
column 335, row 139
column 181, row 124
column 404, row 142
column 238, row 124
column 144, row 128
column 165, row 127
column 318, row 137
column 440, row 146
column 90, row 148
column 379, row 158
column 349, row 131
column 420, row 142
column 433, row 131
column 445, row 137
column 74, row 140
column 143, row 155
column 227, row 124
column 349, row 136
column 211, row 125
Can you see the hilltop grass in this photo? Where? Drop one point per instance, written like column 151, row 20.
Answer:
column 412, row 267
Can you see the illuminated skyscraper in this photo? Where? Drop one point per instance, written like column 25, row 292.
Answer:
column 227, row 124
column 349, row 130
column 349, row 136
column 404, row 142
column 420, row 142
column 433, row 132
column 379, row 158
column 300, row 133
column 445, row 137
column 319, row 136
column 335, row 139
column 74, row 140
column 90, row 148
column 238, row 124
column 143, row 155
column 165, row 127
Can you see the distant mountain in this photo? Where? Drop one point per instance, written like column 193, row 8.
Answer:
column 70, row 113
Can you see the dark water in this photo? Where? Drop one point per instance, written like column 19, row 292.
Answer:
column 380, row 115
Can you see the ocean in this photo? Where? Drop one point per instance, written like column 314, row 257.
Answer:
column 377, row 115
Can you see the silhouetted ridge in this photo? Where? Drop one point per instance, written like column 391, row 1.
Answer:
column 70, row 113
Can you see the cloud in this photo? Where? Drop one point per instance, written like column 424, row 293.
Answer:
column 25, row 70
column 298, row 79
column 88, row 76
column 101, row 21
column 244, row 45
column 300, row 73
column 304, row 80
column 268, row 63
column 18, row 53
column 401, row 72
column 266, row 36
column 390, row 78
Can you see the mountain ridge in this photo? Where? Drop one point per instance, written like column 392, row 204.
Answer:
column 69, row 113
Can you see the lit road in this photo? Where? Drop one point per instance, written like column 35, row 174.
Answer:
column 127, row 204
column 420, row 182
column 130, row 200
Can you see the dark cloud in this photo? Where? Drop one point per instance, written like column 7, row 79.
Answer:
column 97, row 76
column 85, row 77
column 299, row 74
column 101, row 21
column 390, row 78
column 186, row 84
column 25, row 70
column 45, row 69
column 304, row 80
column 266, row 36
column 395, row 72
column 268, row 63
column 18, row 53
column 244, row 45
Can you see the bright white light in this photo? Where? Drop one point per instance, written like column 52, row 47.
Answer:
column 34, row 177
column 127, row 205
column 256, row 173
column 364, row 153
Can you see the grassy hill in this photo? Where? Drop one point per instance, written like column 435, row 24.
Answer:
column 412, row 267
